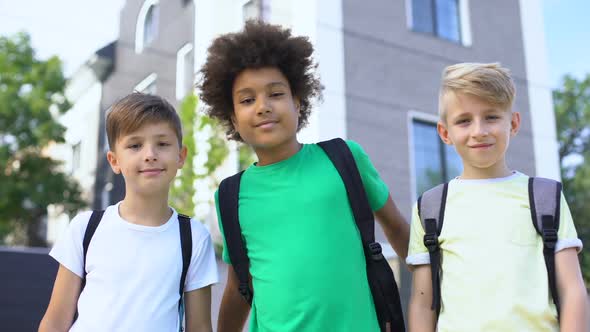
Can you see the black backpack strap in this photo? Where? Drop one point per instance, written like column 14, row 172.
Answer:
column 380, row 276
column 95, row 219
column 228, row 195
column 431, row 209
column 186, row 244
column 545, row 201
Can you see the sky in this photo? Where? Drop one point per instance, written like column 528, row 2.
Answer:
column 74, row 29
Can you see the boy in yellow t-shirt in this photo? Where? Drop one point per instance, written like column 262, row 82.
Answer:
column 493, row 274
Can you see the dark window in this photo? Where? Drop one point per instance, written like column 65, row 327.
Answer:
column 434, row 161
column 437, row 17
column 150, row 31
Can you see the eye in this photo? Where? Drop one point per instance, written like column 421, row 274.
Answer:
column 462, row 121
column 164, row 144
column 247, row 101
column 134, row 146
column 493, row 117
column 277, row 94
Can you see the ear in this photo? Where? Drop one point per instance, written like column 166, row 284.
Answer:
column 112, row 159
column 182, row 156
column 297, row 103
column 514, row 124
column 443, row 132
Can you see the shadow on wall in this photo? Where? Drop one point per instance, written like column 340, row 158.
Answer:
column 26, row 282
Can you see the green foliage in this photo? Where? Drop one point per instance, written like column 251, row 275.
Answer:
column 218, row 149
column 183, row 190
column 572, row 115
column 30, row 91
column 246, row 156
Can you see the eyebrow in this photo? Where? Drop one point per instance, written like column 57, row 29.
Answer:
column 129, row 138
column 269, row 85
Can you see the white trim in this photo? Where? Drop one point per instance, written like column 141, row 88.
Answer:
column 409, row 12
column 388, row 251
column 539, row 91
column 569, row 243
column 181, row 70
column 141, row 86
column 140, row 24
column 418, row 259
column 465, row 23
column 421, row 116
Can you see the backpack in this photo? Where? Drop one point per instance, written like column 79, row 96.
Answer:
column 379, row 274
column 186, row 244
column 544, row 201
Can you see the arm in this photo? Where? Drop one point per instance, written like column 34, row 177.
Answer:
column 395, row 227
column 62, row 306
column 234, row 309
column 421, row 317
column 198, row 310
column 572, row 292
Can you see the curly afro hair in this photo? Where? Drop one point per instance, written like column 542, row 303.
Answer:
column 258, row 45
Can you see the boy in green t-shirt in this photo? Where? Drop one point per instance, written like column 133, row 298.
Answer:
column 307, row 264
column 493, row 275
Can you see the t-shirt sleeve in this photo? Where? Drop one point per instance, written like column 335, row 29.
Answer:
column 224, row 254
column 377, row 191
column 202, row 270
column 567, row 237
column 417, row 252
column 68, row 250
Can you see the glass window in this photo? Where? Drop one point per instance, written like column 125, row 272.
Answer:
column 434, row 161
column 437, row 17
column 150, row 28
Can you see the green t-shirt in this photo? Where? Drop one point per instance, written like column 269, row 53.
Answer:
column 306, row 257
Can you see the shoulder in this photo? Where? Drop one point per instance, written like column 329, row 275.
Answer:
column 80, row 221
column 199, row 232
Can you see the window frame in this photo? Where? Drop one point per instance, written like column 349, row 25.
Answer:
column 140, row 43
column 463, row 22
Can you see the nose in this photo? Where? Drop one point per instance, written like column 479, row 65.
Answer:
column 480, row 129
column 150, row 153
column 263, row 106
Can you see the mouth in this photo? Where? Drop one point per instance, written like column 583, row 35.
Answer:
column 151, row 171
column 481, row 146
column 266, row 124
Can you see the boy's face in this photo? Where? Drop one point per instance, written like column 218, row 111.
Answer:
column 480, row 133
column 148, row 158
column 266, row 114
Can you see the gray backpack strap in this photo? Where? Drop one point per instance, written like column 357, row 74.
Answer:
column 544, row 201
column 431, row 209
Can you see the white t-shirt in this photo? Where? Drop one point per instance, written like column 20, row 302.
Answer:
column 133, row 272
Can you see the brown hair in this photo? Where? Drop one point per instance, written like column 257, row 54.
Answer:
column 137, row 109
column 258, row 45
column 487, row 81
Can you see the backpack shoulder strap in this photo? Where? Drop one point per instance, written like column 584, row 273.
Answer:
column 228, row 195
column 95, row 219
column 431, row 209
column 342, row 158
column 186, row 244
column 544, row 201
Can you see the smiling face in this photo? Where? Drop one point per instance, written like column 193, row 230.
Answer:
column 480, row 133
column 148, row 158
column 265, row 112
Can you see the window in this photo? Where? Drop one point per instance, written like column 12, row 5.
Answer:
column 438, row 17
column 148, row 85
column 146, row 29
column 184, row 70
column 251, row 10
column 434, row 161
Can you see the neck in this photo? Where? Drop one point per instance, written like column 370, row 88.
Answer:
column 267, row 156
column 499, row 170
column 145, row 210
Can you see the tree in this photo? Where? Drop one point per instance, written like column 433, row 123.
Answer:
column 572, row 116
column 31, row 94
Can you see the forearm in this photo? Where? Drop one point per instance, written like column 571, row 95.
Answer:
column 233, row 311
column 398, row 237
column 420, row 317
column 574, row 312
column 48, row 325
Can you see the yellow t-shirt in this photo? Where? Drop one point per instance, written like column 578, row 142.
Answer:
column 493, row 271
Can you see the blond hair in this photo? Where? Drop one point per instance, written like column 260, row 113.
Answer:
column 489, row 82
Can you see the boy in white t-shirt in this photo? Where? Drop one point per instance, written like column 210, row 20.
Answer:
column 130, row 277
column 493, row 275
